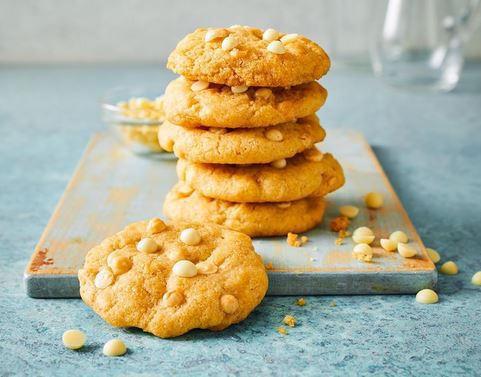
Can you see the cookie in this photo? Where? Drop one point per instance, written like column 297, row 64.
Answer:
column 243, row 55
column 302, row 176
column 241, row 145
column 218, row 106
column 255, row 219
column 170, row 278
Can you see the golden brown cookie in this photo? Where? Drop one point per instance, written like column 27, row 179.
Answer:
column 170, row 278
column 304, row 175
column 241, row 145
column 254, row 219
column 218, row 106
column 244, row 55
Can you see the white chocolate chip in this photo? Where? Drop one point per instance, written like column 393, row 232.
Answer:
column 184, row 269
column 114, row 347
column 173, row 298
column 433, row 255
column 313, row 155
column 104, row 278
column 288, row 38
column 427, row 296
column 218, row 131
column 273, row 135
column 155, row 225
column 399, row 236
column 449, row 268
column 284, row 205
column 206, row 268
column 405, row 250
column 374, row 200
column 349, row 211
column 476, row 279
column 210, row 35
column 388, row 245
column 190, row 236
column 279, row 164
column 199, row 85
column 276, row 47
column 229, row 43
column 119, row 264
column 147, row 245
column 239, row 89
column 263, row 93
column 362, row 252
column 229, row 304
column 363, row 235
column 270, row 35
column 74, row 339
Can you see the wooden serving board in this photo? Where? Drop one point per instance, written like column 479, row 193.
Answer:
column 112, row 188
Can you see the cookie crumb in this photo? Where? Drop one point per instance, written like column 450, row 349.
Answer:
column 343, row 233
column 332, row 304
column 301, row 301
column 269, row 266
column 281, row 330
column 339, row 241
column 339, row 223
column 294, row 240
column 289, row 320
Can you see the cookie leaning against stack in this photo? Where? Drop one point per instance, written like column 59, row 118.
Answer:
column 242, row 121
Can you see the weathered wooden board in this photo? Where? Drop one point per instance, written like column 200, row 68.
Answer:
column 112, row 188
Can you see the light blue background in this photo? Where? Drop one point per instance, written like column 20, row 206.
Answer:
column 430, row 147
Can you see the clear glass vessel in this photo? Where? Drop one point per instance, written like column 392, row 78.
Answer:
column 419, row 43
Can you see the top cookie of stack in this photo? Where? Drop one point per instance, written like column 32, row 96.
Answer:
column 248, row 96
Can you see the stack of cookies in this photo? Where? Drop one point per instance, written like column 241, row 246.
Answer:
column 242, row 121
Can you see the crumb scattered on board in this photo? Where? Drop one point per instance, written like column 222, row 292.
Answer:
column 294, row 240
column 339, row 223
column 269, row 266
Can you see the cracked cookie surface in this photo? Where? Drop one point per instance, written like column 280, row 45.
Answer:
column 254, row 219
column 242, row 145
column 170, row 278
column 247, row 59
column 300, row 178
column 217, row 106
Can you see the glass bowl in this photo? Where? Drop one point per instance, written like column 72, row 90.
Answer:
column 135, row 115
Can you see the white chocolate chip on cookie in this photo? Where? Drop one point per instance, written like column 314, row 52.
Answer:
column 190, row 236
column 279, row 164
column 239, row 89
column 229, row 43
column 206, row 268
column 104, row 278
column 270, row 35
column 119, row 264
column 213, row 34
column 173, row 298
column 184, row 269
column 147, row 245
column 197, row 86
column 288, row 38
column 273, row 135
column 276, row 47
column 229, row 304
column 155, row 225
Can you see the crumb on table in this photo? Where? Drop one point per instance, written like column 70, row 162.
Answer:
column 339, row 223
column 294, row 240
column 301, row 301
column 332, row 304
column 289, row 320
column 281, row 330
column 269, row 266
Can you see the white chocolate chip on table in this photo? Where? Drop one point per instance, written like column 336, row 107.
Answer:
column 406, row 250
column 363, row 235
column 114, row 347
column 427, row 296
column 388, row 244
column 449, row 268
column 73, row 339
column 476, row 279
column 362, row 252
column 374, row 200
column 433, row 255
column 349, row 211
column 399, row 236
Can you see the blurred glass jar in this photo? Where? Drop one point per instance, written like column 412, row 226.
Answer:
column 419, row 43
column 135, row 116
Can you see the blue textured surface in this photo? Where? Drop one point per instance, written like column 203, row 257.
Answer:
column 430, row 147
